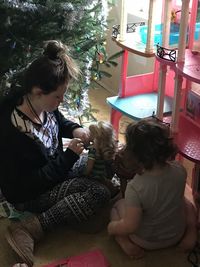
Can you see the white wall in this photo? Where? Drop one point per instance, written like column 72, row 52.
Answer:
column 137, row 64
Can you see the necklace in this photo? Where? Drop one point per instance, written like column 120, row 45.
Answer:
column 49, row 130
column 33, row 111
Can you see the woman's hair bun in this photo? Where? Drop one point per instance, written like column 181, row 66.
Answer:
column 53, row 49
column 59, row 55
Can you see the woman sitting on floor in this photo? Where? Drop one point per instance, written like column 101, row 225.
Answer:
column 34, row 168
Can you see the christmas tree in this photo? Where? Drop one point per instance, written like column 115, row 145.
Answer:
column 81, row 24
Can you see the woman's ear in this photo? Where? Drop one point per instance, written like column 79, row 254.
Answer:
column 36, row 91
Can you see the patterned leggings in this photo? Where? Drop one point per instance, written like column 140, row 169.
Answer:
column 75, row 200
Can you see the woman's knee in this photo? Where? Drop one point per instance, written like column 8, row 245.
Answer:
column 101, row 194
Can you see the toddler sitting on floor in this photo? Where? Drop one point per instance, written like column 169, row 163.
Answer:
column 154, row 213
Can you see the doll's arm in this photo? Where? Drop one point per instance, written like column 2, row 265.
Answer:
column 89, row 166
column 128, row 223
column 90, row 161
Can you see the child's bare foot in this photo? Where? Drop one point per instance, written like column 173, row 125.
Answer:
column 189, row 239
column 130, row 248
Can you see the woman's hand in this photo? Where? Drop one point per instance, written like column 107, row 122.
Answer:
column 83, row 134
column 76, row 145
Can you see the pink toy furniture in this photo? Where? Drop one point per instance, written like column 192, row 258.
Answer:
column 186, row 124
column 174, row 78
column 93, row 258
column 138, row 95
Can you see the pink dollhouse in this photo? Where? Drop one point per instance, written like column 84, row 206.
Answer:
column 172, row 90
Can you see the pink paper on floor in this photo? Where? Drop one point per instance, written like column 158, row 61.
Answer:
column 94, row 258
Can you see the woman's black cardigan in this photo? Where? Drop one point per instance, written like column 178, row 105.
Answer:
column 26, row 170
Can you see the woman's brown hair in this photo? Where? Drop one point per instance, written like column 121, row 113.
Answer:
column 52, row 69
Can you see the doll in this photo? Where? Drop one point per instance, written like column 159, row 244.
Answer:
column 101, row 154
column 101, row 151
column 105, row 158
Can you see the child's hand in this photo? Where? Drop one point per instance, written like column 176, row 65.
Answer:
column 76, row 145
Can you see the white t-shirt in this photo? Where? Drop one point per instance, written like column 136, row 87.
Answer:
column 161, row 199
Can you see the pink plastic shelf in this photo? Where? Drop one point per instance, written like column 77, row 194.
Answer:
column 188, row 139
column 190, row 68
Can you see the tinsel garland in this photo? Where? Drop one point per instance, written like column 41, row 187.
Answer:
column 83, row 101
column 21, row 5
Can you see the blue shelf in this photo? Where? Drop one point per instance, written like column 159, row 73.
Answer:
column 139, row 106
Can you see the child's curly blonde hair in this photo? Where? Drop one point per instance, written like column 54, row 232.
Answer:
column 104, row 140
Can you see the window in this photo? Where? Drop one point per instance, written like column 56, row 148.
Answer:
column 141, row 9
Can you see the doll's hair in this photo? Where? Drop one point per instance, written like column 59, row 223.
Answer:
column 150, row 143
column 103, row 135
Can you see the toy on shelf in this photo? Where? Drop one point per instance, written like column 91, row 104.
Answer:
column 174, row 33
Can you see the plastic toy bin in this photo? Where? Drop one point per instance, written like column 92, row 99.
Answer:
column 174, row 33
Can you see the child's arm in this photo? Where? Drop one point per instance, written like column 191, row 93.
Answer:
column 128, row 224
